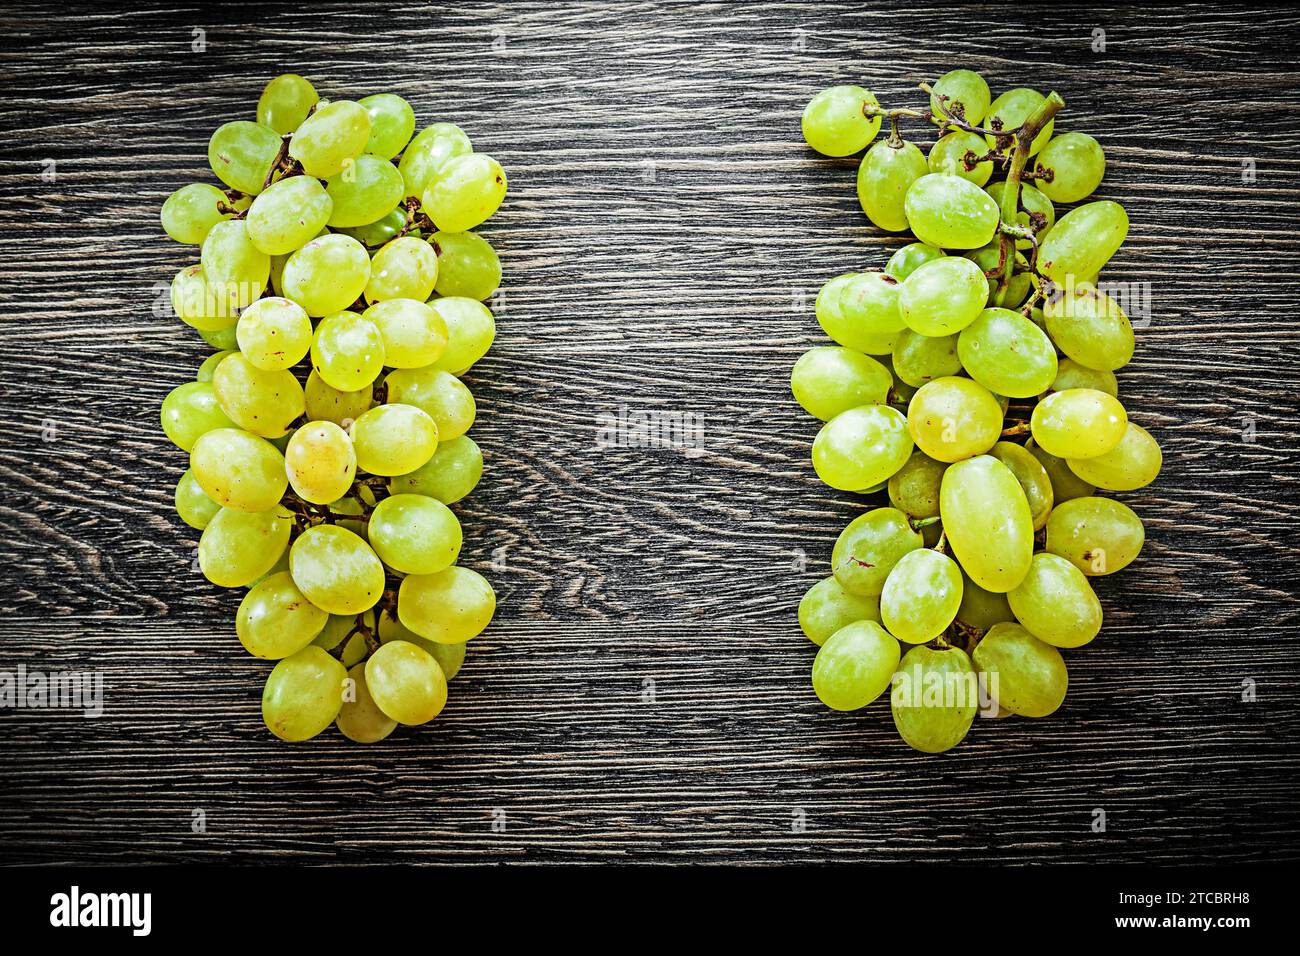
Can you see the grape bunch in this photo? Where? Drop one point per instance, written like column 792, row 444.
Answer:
column 342, row 288
column 972, row 382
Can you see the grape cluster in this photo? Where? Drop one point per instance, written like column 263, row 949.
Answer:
column 973, row 383
column 343, row 290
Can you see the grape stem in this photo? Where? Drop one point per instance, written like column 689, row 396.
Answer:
column 1023, row 141
column 919, row 523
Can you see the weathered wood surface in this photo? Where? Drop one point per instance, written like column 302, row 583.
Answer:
column 664, row 236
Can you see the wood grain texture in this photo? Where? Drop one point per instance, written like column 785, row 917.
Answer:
column 664, row 237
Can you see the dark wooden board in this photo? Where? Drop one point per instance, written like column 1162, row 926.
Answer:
column 665, row 233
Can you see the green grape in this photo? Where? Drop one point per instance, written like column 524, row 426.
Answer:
column 987, row 521
column 934, row 698
column 360, row 718
column 392, row 121
column 209, row 366
column 1066, row 485
column 355, row 651
column 189, row 411
column 914, row 488
column 406, row 683
column 238, row 547
column 1033, row 478
column 261, row 402
column 465, row 192
column 347, row 351
column 383, row 229
column 885, row 175
column 337, row 628
column 1077, row 164
column 948, row 155
column 275, row 620
column 428, row 152
column 330, row 137
column 353, row 510
column 859, row 310
column 405, row 268
column 450, row 607
column 443, row 396
column 365, row 190
column 336, row 570
column 902, row 391
column 909, row 258
column 921, row 596
column 1078, row 423
column 1132, row 464
column 1097, row 535
column 195, row 508
column 303, row 695
column 414, row 534
column 450, row 657
column 1010, row 111
column 274, row 334
column 1070, row 374
column 861, row 447
column 854, row 666
column 1007, row 354
column 286, row 102
column 1090, row 327
column 238, row 470
column 922, row 358
column 449, row 475
column 222, row 339
column 320, row 462
column 327, row 275
column 1082, row 242
column 951, row 212
column 982, row 609
column 393, row 439
column 867, row 550
column 827, row 607
column 242, row 154
column 470, row 332
column 834, row 124
column 288, row 215
column 943, row 297
column 829, row 379
column 414, row 334
column 199, row 305
column 961, row 91
column 1034, row 201
column 326, row 403
column 1017, row 290
column 1026, row 675
column 467, row 265
column 1055, row 603
column 235, row 270
column 191, row 211
column 954, row 418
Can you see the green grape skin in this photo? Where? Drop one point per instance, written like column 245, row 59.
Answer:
column 471, row 331
column 450, row 607
column 981, row 609
column 200, row 306
column 238, row 470
column 275, row 620
column 1055, row 603
column 862, row 447
column 909, row 258
column 194, row 507
column 450, row 657
column 466, row 191
column 288, row 215
column 238, row 547
column 327, row 275
column 337, row 628
column 320, row 462
column 354, row 651
column 336, row 570
column 406, row 683
column 948, row 155
column 926, row 724
column 330, row 137
column 1078, row 423
column 222, row 339
column 286, row 102
column 392, row 121
column 428, row 152
column 951, row 212
column 468, row 266
column 190, row 411
column 208, row 367
column 281, row 564
column 242, row 154
column 1012, row 109
column 381, row 231
column 414, row 334
column 965, row 89
column 1097, row 535
column 854, row 666
column 859, row 310
column 406, row 268
column 190, row 212
column 921, row 596
column 1082, row 242
column 235, row 270
column 833, row 122
column 303, row 695
column 902, row 391
column 1077, row 163
column 1034, row 201
column 987, row 522
column 1033, row 478
column 441, row 395
column 1133, row 463
column 274, row 334
column 347, row 351
column 326, row 403
column 954, row 418
column 1007, row 354
column 1090, row 327
column 826, row 607
column 1070, row 374
column 450, row 475
column 884, row 176
column 914, row 488
column 414, row 534
column 922, row 358
column 360, row 718
column 261, row 402
column 869, row 547
column 393, row 439
column 1066, row 485
column 365, row 190
column 1027, row 675
column 1016, row 291
column 943, row 297
column 829, row 379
